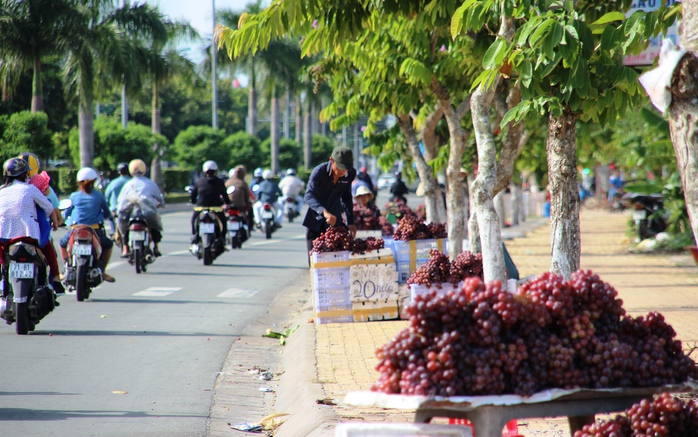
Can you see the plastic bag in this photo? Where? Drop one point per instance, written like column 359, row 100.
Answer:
column 657, row 81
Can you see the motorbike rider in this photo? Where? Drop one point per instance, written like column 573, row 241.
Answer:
column 18, row 206
column 114, row 189
column 267, row 192
column 146, row 194
column 257, row 178
column 291, row 186
column 209, row 193
column 399, row 189
column 241, row 197
column 89, row 207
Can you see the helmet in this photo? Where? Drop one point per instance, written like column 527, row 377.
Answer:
column 257, row 172
column 291, row 172
column 122, row 168
column 87, row 174
column 33, row 161
column 267, row 174
column 231, row 172
column 210, row 166
column 137, row 166
column 14, row 167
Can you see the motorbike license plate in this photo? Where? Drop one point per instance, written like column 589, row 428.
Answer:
column 233, row 225
column 639, row 215
column 267, row 215
column 21, row 270
column 82, row 249
column 137, row 235
column 207, row 228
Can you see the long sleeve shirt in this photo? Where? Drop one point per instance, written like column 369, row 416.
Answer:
column 140, row 190
column 87, row 209
column 322, row 194
column 113, row 190
column 18, row 210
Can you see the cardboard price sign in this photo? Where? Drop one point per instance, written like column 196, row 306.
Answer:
column 373, row 282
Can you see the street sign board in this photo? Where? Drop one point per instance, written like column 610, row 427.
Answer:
column 648, row 55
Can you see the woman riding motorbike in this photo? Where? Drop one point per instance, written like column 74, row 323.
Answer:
column 89, row 207
column 18, row 206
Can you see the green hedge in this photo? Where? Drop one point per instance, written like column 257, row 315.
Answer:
column 175, row 179
column 55, row 180
column 67, row 180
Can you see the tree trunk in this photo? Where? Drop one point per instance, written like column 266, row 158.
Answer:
column 252, row 105
column 483, row 187
column 500, row 208
column 37, row 88
column 432, row 193
column 274, row 132
column 683, row 112
column 515, row 203
column 87, row 134
column 431, row 151
column 287, row 115
column 155, row 165
column 307, row 141
column 565, row 242
column 299, row 120
column 513, row 143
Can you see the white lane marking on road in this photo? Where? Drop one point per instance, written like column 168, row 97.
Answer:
column 157, row 291
column 116, row 264
column 262, row 243
column 238, row 292
column 180, row 252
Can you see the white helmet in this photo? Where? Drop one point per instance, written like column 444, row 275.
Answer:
column 257, row 172
column 136, row 167
column 210, row 165
column 291, row 172
column 231, row 172
column 87, row 174
column 267, row 175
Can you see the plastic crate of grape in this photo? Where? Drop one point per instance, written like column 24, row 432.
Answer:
column 410, row 255
column 330, row 257
column 400, row 429
column 335, row 314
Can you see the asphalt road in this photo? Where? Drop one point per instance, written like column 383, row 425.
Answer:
column 142, row 355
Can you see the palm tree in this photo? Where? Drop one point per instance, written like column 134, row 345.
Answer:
column 31, row 31
column 103, row 52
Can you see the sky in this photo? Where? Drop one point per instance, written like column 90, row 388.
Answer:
column 198, row 14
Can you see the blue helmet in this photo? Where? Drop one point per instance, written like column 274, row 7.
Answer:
column 258, row 172
column 14, row 167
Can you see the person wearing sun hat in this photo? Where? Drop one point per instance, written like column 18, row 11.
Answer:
column 328, row 195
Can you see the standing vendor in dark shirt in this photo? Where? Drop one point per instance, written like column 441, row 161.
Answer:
column 209, row 193
column 328, row 195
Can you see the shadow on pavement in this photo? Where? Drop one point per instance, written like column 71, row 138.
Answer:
column 24, row 414
column 131, row 334
column 35, row 393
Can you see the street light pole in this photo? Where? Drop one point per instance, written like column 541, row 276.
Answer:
column 213, row 68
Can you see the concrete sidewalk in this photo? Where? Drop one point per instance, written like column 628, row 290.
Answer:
column 344, row 353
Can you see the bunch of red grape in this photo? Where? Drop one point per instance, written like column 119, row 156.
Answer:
column 411, row 228
column 438, row 269
column 435, row 271
column 437, row 230
column 552, row 333
column 386, row 227
column 360, row 246
column 334, row 239
column 665, row 416
column 421, row 212
column 465, row 265
column 365, row 219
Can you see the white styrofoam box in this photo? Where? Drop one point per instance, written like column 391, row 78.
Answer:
column 331, row 277
column 372, row 311
column 328, row 257
column 420, row 290
column 379, row 429
column 366, row 234
column 320, row 320
column 329, row 297
column 374, row 254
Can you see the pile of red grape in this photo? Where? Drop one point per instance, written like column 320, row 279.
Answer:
column 412, row 228
column 365, row 219
column 386, row 227
column 433, row 272
column 439, row 270
column 665, row 416
column 336, row 239
column 552, row 333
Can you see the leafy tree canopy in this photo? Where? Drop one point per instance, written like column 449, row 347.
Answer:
column 244, row 150
column 198, row 144
column 26, row 132
column 289, row 153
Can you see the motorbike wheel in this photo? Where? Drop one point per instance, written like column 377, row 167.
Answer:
column 80, row 286
column 268, row 228
column 208, row 256
column 22, row 318
column 138, row 260
column 643, row 231
column 290, row 217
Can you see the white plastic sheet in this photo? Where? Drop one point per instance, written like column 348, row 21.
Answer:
column 657, row 81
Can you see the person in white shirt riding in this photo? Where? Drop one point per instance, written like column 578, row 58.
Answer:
column 291, row 186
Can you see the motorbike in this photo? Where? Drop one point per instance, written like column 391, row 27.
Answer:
column 26, row 296
column 238, row 231
column 648, row 210
column 210, row 244
column 83, row 272
column 268, row 219
column 139, row 241
column 291, row 209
